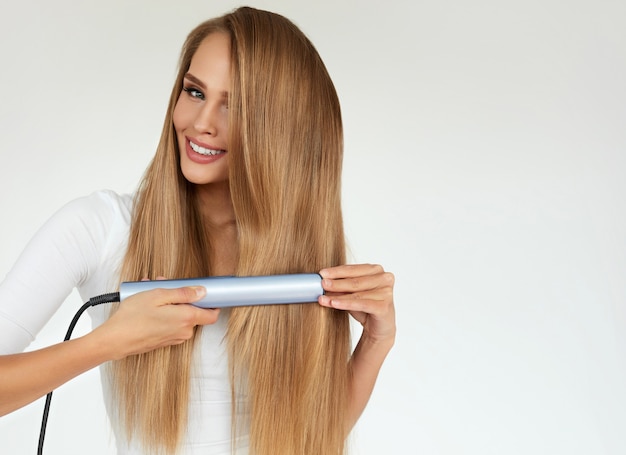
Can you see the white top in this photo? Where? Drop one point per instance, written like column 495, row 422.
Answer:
column 82, row 247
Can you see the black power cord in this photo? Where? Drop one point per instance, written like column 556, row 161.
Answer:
column 98, row 300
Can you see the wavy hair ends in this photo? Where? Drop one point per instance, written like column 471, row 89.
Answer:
column 285, row 154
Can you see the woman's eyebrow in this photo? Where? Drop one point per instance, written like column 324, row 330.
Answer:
column 195, row 80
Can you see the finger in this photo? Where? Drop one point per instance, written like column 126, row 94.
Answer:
column 376, row 308
column 359, row 283
column 205, row 316
column 351, row 270
column 382, row 293
column 188, row 294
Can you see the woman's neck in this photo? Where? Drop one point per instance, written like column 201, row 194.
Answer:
column 218, row 217
column 215, row 205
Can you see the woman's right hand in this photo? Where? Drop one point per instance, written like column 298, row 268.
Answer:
column 153, row 319
column 143, row 322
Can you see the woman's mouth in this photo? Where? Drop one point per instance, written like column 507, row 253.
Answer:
column 205, row 151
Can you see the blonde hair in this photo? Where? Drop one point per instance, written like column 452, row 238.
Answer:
column 285, row 154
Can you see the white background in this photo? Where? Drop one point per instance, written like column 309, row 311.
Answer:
column 485, row 164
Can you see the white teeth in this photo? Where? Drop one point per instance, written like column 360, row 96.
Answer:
column 203, row 151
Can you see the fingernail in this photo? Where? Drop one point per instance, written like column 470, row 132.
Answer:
column 200, row 291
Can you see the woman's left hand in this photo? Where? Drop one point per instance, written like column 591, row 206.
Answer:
column 366, row 291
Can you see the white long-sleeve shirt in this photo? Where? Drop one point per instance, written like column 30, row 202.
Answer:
column 82, row 246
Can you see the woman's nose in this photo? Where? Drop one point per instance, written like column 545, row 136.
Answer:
column 206, row 120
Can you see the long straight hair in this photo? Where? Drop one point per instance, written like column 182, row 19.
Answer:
column 291, row 362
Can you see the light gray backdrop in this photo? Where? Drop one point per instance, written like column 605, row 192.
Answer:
column 485, row 162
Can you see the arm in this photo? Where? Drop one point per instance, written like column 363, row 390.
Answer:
column 81, row 245
column 366, row 291
column 144, row 322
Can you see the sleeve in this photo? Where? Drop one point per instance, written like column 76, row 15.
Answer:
column 57, row 259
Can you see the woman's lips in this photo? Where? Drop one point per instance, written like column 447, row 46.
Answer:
column 202, row 154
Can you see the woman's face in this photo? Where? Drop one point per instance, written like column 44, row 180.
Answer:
column 201, row 113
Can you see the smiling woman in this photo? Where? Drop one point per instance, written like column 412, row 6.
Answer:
column 245, row 181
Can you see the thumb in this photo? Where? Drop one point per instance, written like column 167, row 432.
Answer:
column 199, row 316
column 188, row 294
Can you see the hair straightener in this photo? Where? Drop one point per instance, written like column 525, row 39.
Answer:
column 231, row 291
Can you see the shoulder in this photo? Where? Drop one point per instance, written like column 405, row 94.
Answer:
column 100, row 208
column 92, row 233
column 90, row 219
column 101, row 202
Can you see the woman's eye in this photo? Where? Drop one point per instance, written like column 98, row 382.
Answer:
column 194, row 93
